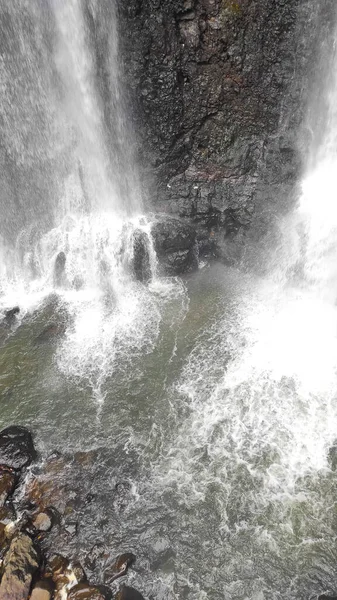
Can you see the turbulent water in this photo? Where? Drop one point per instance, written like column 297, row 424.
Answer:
column 213, row 398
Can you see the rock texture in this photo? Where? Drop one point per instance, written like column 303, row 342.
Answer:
column 218, row 90
column 16, row 447
column 20, row 564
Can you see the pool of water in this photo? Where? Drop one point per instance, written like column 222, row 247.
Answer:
column 215, row 428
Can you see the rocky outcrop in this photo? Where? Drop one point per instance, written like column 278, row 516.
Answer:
column 218, row 90
column 21, row 562
column 16, row 447
column 175, row 245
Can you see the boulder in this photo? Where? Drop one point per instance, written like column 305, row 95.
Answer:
column 20, row 564
column 119, row 567
column 16, row 447
column 84, row 591
column 128, row 593
column 175, row 245
column 10, row 315
column 42, row 590
column 7, row 484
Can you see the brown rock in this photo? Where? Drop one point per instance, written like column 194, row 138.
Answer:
column 84, row 591
column 7, row 485
column 21, row 562
column 43, row 522
column 119, row 567
column 42, row 590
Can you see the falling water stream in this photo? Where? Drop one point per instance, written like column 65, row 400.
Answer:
column 211, row 399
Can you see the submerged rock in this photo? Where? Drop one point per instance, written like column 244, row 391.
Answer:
column 52, row 331
column 65, row 575
column 10, row 315
column 20, row 564
column 175, row 245
column 128, row 593
column 84, row 591
column 119, row 567
column 16, row 447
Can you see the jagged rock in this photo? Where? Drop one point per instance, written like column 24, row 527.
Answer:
column 42, row 590
column 16, row 447
column 7, row 514
column 119, row 567
column 59, row 269
column 141, row 257
column 216, row 89
column 10, row 315
column 7, row 484
column 128, row 593
column 175, row 244
column 83, row 591
column 20, row 564
column 65, row 574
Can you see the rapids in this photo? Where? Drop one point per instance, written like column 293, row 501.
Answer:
column 213, row 397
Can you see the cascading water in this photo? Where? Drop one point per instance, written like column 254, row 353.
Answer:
column 220, row 392
column 83, row 250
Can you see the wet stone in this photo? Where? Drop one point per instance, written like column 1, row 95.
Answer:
column 7, row 485
column 43, row 522
column 42, row 590
column 119, row 567
column 10, row 315
column 128, row 593
column 7, row 514
column 71, row 528
column 20, row 563
column 16, row 447
column 83, row 591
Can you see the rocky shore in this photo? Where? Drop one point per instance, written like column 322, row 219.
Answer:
column 33, row 505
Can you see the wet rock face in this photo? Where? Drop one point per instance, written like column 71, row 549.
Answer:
column 218, row 89
column 175, row 245
column 16, row 447
column 7, row 484
column 141, row 257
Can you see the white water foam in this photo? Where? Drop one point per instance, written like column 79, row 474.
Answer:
column 273, row 407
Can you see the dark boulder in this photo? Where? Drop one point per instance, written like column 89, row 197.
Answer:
column 141, row 256
column 128, row 593
column 21, row 562
column 84, row 591
column 7, row 484
column 175, row 245
column 119, row 567
column 326, row 597
column 16, row 447
column 10, row 315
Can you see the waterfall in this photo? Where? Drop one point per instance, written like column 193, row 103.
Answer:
column 72, row 200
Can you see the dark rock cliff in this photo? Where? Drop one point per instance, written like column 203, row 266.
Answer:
column 218, row 90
